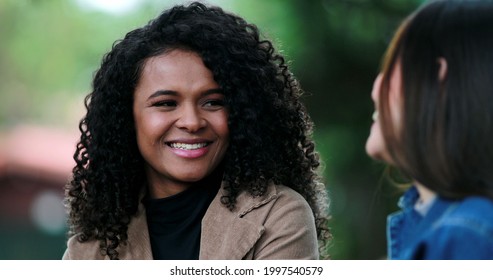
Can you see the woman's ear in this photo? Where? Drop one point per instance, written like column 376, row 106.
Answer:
column 442, row 71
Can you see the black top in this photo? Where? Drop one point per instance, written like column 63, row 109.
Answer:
column 175, row 222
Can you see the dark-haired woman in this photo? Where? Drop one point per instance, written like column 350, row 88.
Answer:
column 435, row 123
column 195, row 145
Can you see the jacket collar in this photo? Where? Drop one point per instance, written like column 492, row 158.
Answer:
column 225, row 234
column 139, row 245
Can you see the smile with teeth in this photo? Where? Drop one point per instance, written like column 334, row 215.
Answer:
column 184, row 146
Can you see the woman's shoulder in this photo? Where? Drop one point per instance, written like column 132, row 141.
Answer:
column 276, row 198
column 280, row 207
column 288, row 225
column 473, row 208
column 463, row 231
column 287, row 192
column 475, row 213
column 77, row 250
column 287, row 196
column 468, row 219
column 290, row 202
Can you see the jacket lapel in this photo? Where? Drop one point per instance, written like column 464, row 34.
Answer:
column 226, row 234
column 140, row 246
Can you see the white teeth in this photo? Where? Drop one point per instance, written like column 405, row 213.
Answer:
column 375, row 116
column 184, row 146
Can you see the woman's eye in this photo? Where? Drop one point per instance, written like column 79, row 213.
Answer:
column 165, row 103
column 214, row 103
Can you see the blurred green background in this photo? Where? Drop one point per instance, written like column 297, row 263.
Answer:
column 50, row 49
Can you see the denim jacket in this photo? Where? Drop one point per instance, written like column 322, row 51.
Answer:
column 451, row 229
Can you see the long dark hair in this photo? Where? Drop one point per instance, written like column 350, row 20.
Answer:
column 445, row 139
column 270, row 130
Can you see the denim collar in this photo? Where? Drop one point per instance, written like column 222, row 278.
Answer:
column 410, row 197
column 406, row 227
column 408, row 200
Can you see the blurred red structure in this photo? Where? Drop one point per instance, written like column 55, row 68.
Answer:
column 33, row 159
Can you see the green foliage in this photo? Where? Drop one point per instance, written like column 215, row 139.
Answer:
column 48, row 54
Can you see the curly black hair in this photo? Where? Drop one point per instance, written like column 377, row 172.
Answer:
column 270, row 129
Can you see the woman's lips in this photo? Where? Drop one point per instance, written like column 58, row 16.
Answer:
column 189, row 150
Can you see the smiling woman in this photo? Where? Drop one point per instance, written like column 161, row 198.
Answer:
column 196, row 145
column 435, row 125
column 181, row 121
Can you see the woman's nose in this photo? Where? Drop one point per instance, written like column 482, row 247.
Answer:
column 190, row 119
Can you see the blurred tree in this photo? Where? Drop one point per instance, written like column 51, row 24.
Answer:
column 48, row 53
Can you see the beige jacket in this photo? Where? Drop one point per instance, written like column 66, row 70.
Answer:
column 278, row 225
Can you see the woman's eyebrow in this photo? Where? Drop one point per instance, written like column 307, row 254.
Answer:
column 163, row 92
column 174, row 93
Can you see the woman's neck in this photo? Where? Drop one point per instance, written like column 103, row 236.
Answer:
column 157, row 190
column 425, row 194
column 162, row 186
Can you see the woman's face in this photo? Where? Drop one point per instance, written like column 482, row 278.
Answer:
column 181, row 121
column 375, row 144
